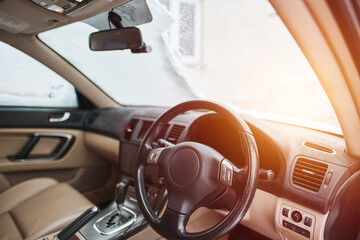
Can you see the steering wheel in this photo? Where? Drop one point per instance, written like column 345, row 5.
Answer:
column 195, row 173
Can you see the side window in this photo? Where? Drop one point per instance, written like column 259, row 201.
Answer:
column 25, row 82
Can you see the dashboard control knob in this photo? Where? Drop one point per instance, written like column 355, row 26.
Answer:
column 296, row 216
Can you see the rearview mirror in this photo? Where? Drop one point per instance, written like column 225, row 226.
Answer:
column 116, row 39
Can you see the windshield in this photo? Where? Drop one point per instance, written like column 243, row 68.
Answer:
column 237, row 52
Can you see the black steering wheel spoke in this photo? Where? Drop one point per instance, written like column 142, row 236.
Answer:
column 154, row 156
column 174, row 222
column 239, row 179
column 231, row 176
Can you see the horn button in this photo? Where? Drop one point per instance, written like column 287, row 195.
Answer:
column 184, row 167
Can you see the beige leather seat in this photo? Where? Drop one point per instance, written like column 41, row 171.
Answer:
column 38, row 207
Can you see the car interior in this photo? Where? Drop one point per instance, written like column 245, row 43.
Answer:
column 134, row 156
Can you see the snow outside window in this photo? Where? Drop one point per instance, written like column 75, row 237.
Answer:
column 24, row 82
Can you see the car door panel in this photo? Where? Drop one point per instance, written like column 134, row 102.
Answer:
column 32, row 146
column 77, row 157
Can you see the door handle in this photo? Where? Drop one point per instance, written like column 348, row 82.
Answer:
column 61, row 118
column 63, row 146
column 29, row 146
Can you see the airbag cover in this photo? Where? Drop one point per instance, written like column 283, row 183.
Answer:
column 184, row 167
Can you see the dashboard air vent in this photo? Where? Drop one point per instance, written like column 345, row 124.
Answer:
column 175, row 133
column 309, row 174
column 319, row 147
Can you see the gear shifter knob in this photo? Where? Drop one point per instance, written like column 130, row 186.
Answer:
column 120, row 193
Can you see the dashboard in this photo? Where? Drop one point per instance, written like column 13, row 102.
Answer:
column 310, row 166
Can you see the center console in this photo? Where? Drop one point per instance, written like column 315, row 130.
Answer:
column 122, row 218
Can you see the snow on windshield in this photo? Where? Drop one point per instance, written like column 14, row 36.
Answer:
column 238, row 52
column 131, row 79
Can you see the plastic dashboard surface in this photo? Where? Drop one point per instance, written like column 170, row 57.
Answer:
column 280, row 145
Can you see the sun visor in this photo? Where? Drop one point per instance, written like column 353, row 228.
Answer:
column 34, row 16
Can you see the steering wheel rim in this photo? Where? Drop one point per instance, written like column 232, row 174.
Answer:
column 176, row 219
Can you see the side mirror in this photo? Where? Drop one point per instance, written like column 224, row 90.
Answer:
column 116, row 39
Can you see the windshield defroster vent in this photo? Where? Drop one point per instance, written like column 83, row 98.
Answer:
column 319, row 147
column 175, row 133
column 309, row 174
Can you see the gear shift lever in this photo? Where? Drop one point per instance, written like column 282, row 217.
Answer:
column 120, row 193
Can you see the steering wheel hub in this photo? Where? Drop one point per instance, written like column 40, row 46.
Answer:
column 184, row 167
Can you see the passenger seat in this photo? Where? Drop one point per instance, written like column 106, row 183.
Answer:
column 38, row 207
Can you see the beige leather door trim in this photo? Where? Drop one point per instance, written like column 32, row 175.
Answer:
column 106, row 147
column 77, row 156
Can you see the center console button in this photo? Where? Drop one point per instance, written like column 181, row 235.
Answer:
column 308, row 221
column 296, row 229
column 296, row 216
column 285, row 212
